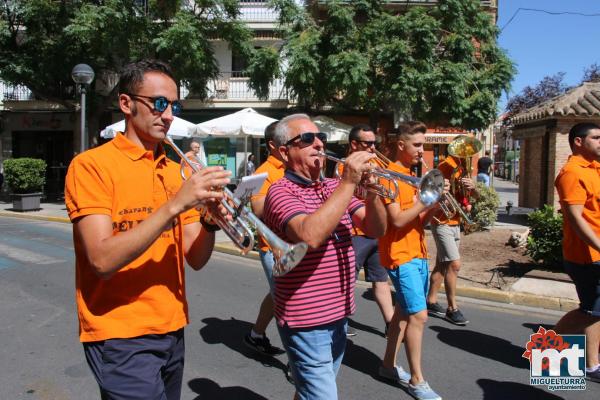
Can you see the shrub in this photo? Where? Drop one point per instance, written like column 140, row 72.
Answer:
column 485, row 208
column 544, row 244
column 25, row 175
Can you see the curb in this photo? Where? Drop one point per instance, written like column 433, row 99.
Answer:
column 494, row 295
column 518, row 298
column 36, row 217
column 234, row 251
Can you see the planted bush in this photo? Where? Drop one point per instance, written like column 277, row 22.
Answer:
column 544, row 244
column 485, row 208
column 25, row 175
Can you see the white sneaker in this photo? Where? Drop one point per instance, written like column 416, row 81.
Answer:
column 397, row 374
column 422, row 391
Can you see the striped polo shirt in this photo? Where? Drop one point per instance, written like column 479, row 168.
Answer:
column 320, row 289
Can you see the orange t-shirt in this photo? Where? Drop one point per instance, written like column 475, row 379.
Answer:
column 356, row 231
column 275, row 170
column 578, row 182
column 451, row 170
column 398, row 246
column 125, row 182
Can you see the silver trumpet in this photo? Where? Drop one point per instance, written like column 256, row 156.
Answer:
column 378, row 188
column 238, row 229
column 431, row 185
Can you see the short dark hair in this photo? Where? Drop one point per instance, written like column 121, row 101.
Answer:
column 411, row 128
column 581, row 130
column 356, row 129
column 132, row 75
column 270, row 131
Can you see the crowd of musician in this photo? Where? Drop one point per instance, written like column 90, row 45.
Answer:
column 316, row 234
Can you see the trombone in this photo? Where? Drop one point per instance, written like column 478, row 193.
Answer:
column 286, row 255
column 430, row 186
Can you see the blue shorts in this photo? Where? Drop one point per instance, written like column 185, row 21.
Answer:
column 315, row 356
column 366, row 252
column 586, row 278
column 144, row 367
column 411, row 281
column 483, row 178
column 267, row 261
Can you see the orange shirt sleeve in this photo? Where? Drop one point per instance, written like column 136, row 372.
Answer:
column 87, row 191
column 190, row 216
column 570, row 188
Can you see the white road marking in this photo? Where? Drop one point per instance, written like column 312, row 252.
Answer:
column 26, row 256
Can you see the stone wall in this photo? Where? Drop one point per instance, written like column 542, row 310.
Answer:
column 537, row 176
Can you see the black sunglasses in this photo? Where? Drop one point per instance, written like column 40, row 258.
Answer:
column 161, row 103
column 308, row 138
column 367, row 143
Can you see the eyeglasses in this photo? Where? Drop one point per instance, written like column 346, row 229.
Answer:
column 308, row 138
column 161, row 103
column 367, row 143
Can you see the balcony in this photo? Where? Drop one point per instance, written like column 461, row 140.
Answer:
column 14, row 92
column 257, row 12
column 233, row 86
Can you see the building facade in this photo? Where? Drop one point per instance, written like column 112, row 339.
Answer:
column 543, row 132
column 51, row 131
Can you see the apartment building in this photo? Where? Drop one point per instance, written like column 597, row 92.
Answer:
column 51, row 131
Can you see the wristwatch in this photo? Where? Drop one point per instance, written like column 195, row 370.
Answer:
column 209, row 227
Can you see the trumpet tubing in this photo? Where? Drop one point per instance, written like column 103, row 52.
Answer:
column 431, row 185
column 463, row 147
column 377, row 188
column 286, row 255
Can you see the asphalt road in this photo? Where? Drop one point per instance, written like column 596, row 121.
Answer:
column 41, row 357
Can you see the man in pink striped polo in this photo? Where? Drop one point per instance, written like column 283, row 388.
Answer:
column 313, row 300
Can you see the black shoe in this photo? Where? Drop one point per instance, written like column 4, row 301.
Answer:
column 456, row 317
column 351, row 332
column 288, row 374
column 262, row 346
column 434, row 309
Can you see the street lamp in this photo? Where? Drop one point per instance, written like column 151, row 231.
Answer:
column 82, row 75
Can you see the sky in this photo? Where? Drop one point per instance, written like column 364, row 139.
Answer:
column 541, row 44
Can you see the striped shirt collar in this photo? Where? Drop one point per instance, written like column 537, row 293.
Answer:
column 300, row 180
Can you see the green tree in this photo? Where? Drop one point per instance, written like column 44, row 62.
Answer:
column 439, row 63
column 41, row 41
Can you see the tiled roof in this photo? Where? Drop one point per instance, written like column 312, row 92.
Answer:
column 582, row 101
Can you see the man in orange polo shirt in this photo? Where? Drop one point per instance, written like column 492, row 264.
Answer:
column 578, row 185
column 257, row 338
column 403, row 252
column 362, row 138
column 446, row 233
column 134, row 222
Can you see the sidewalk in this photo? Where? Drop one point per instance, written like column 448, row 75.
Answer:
column 534, row 290
column 508, row 191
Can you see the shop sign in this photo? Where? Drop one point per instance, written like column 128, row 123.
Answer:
column 439, row 138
